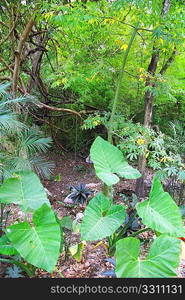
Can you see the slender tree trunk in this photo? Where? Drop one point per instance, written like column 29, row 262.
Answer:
column 147, row 118
column 150, row 84
column 36, row 59
column 18, row 55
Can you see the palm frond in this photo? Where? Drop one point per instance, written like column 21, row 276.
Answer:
column 3, row 87
column 21, row 163
column 8, row 121
column 37, row 164
column 21, row 100
column 20, row 146
column 6, row 100
column 6, row 166
column 33, row 142
column 42, row 167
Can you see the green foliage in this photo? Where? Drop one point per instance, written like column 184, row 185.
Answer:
column 8, row 122
column 182, row 211
column 24, row 189
column 76, row 251
column 84, row 52
column 158, row 148
column 58, row 178
column 39, row 244
column 133, row 139
column 25, row 152
column 108, row 161
column 92, row 121
column 32, row 142
column 101, row 218
column 92, row 39
column 176, row 138
column 21, row 148
column 163, row 152
column 82, row 59
column 66, row 222
column 8, row 119
column 161, row 261
column 160, row 212
column 6, row 247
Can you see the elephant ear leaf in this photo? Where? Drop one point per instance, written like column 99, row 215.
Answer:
column 161, row 262
column 38, row 244
column 24, row 189
column 101, row 218
column 160, row 212
column 109, row 162
column 6, row 247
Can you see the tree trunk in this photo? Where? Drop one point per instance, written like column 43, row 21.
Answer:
column 36, row 59
column 18, row 55
column 147, row 117
column 150, row 84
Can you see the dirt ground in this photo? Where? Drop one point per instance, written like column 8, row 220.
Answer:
column 93, row 263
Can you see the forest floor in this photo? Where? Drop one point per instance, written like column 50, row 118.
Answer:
column 72, row 172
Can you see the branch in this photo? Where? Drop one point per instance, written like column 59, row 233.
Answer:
column 168, row 62
column 53, row 70
column 5, row 68
column 49, row 123
column 2, row 23
column 22, row 41
column 52, row 108
column 10, row 32
column 166, row 7
column 2, row 78
column 124, row 23
column 38, row 32
column 7, row 6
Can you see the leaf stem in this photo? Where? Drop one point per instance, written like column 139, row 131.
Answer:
column 124, row 229
column 2, row 205
column 116, row 98
column 59, row 272
column 107, row 189
column 139, row 231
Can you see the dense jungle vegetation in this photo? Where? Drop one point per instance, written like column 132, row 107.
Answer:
column 92, row 138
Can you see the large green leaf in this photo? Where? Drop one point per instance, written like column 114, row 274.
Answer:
column 40, row 244
column 161, row 261
column 108, row 161
column 6, row 247
column 24, row 189
column 160, row 212
column 101, row 218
